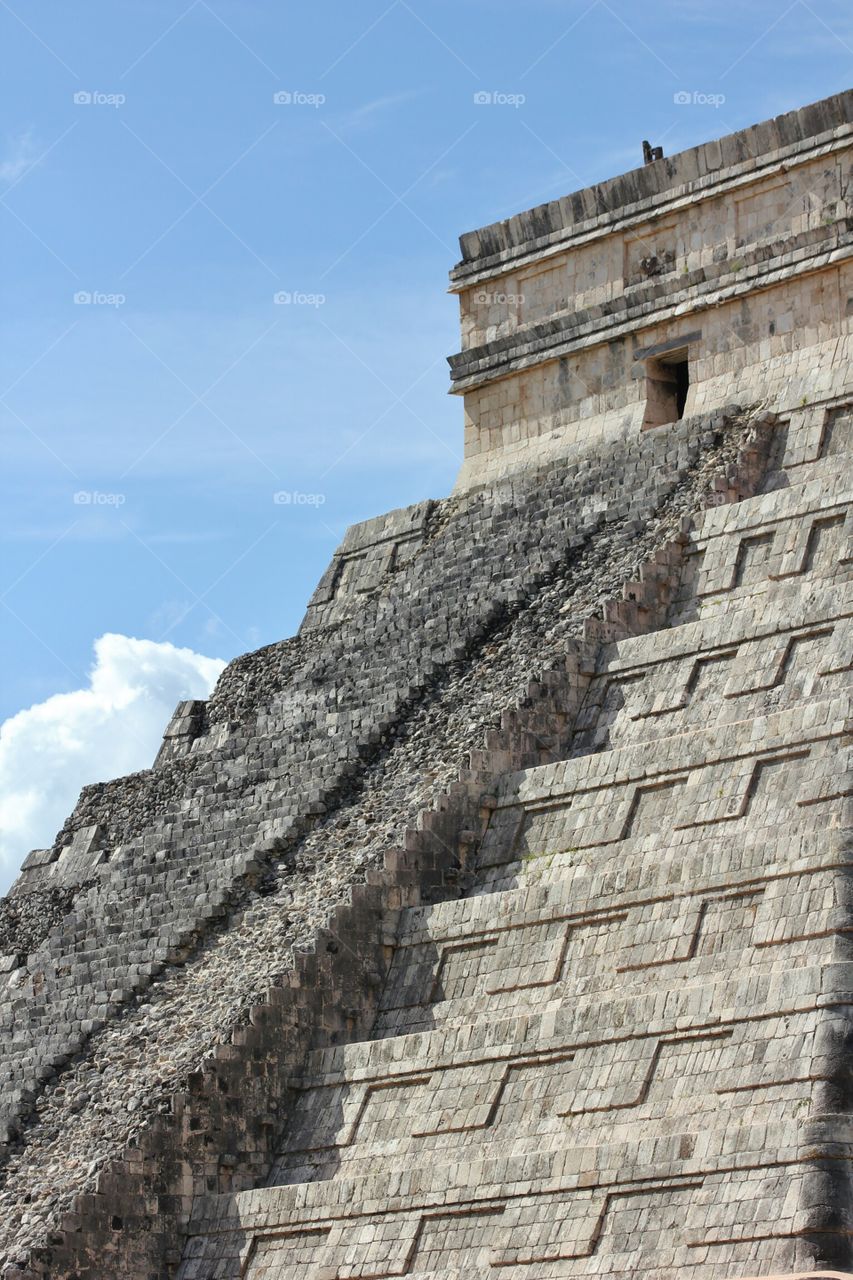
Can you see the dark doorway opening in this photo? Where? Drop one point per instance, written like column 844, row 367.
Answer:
column 682, row 384
column 667, row 385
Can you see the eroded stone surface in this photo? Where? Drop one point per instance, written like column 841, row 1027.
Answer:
column 497, row 923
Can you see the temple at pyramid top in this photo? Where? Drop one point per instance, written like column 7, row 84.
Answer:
column 639, row 300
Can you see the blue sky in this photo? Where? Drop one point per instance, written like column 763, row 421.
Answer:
column 145, row 164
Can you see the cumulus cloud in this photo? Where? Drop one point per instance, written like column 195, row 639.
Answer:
column 112, row 727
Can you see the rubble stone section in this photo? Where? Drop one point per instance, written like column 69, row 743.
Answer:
column 498, row 923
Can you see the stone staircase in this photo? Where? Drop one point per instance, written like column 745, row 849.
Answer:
column 623, row 1050
column 162, row 861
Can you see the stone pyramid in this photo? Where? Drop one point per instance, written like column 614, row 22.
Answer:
column 498, row 923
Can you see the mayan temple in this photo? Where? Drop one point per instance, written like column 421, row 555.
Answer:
column 499, row 923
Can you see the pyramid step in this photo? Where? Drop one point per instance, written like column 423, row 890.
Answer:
column 526, row 1215
column 453, row 972
column 803, row 494
column 777, row 536
column 726, row 775
column 596, row 1054
column 686, row 875
column 787, row 645
column 521, row 1096
column 817, row 435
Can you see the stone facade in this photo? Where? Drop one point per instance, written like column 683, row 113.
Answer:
column 733, row 254
column 498, row 923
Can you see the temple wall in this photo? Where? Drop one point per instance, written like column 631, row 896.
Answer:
column 744, row 271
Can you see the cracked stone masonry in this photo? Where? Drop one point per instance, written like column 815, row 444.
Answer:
column 499, row 922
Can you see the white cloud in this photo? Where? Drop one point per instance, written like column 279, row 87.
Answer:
column 368, row 111
column 112, row 727
column 20, row 155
